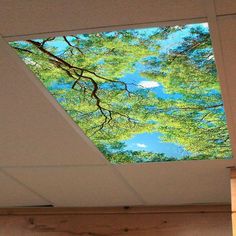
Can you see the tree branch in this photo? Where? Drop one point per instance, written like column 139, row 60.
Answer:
column 68, row 42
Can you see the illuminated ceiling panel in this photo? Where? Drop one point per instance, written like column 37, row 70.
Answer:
column 144, row 95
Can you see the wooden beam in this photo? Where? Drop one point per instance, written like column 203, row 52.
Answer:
column 233, row 199
column 204, row 220
column 115, row 210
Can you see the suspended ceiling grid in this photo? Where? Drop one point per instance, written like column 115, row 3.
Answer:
column 45, row 159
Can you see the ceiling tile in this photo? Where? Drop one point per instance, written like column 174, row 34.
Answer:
column 15, row 194
column 90, row 14
column 78, row 186
column 187, row 182
column 225, row 7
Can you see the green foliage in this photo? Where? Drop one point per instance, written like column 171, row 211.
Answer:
column 84, row 73
column 196, row 119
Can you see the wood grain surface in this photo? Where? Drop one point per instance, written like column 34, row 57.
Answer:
column 147, row 221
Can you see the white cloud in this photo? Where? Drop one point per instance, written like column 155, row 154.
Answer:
column 205, row 25
column 148, row 84
column 141, row 145
column 29, row 61
column 211, row 57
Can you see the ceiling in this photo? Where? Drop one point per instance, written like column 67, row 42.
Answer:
column 45, row 159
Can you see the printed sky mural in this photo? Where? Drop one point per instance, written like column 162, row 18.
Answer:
column 143, row 95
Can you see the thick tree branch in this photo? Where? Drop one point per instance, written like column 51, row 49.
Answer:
column 65, row 63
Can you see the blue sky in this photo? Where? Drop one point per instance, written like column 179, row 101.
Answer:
column 152, row 142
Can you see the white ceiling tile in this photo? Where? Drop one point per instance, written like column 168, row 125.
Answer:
column 86, row 16
column 225, row 7
column 78, row 186
column 227, row 31
column 15, row 194
column 90, row 14
column 176, row 183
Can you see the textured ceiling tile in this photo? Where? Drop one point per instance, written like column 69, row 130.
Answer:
column 89, row 14
column 188, row 182
column 15, row 194
column 78, row 186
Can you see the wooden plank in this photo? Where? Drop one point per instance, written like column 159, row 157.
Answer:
column 161, row 221
column 116, row 210
column 233, row 199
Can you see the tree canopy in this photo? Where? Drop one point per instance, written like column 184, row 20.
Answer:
column 86, row 72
